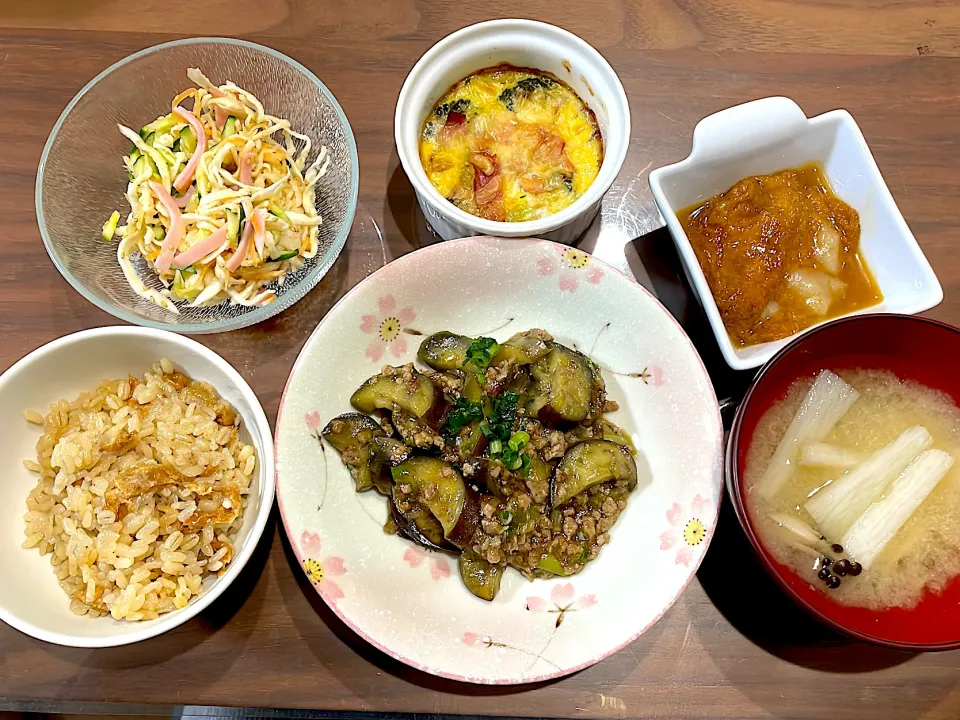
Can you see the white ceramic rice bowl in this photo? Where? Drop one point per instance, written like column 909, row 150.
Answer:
column 31, row 599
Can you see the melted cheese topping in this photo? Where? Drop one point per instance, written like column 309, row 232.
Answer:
column 511, row 144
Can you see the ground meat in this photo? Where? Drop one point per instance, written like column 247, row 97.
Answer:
column 539, row 334
column 557, row 445
column 425, row 438
column 539, row 488
column 589, row 525
column 450, row 384
column 492, row 527
column 516, row 524
column 611, row 406
column 498, row 374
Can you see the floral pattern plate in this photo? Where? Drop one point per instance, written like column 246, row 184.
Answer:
column 409, row 602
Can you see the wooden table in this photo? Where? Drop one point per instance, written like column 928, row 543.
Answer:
column 732, row 646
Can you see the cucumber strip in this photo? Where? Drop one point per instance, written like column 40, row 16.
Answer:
column 277, row 211
column 159, row 126
column 233, row 227
column 188, row 141
column 110, row 226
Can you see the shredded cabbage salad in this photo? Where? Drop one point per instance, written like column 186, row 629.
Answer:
column 221, row 200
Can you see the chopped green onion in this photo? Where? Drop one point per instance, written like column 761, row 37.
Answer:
column 464, row 412
column 480, row 354
column 518, row 440
column 496, row 447
column 506, row 517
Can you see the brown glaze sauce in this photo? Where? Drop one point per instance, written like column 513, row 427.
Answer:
column 780, row 253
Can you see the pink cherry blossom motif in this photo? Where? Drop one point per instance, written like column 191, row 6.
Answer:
column 572, row 267
column 313, row 420
column 309, row 543
column 472, row 639
column 563, row 600
column 320, row 571
column 415, row 556
column 687, row 531
column 387, row 328
column 440, row 569
column 651, row 375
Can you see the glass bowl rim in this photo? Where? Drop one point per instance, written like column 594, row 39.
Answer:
column 253, row 316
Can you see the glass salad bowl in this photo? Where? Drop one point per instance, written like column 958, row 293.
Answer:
column 81, row 179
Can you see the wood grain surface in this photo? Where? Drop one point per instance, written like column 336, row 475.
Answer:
column 732, row 646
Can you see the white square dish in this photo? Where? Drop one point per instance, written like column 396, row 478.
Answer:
column 771, row 134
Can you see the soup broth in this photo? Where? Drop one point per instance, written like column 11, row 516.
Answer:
column 925, row 553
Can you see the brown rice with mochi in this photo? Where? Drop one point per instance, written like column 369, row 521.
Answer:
column 141, row 491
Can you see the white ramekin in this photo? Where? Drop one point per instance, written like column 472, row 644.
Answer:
column 523, row 43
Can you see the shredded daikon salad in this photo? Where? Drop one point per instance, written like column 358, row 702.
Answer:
column 222, row 202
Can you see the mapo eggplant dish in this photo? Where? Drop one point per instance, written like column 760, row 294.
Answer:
column 498, row 453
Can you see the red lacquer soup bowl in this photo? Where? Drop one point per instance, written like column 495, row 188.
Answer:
column 913, row 348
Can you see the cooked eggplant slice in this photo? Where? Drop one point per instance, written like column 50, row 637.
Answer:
column 419, row 524
column 589, row 464
column 354, row 436
column 444, row 351
column 403, row 387
column 565, row 388
column 470, row 441
column 480, row 577
column 523, row 349
column 616, row 434
column 472, row 389
column 538, row 478
column 469, row 525
column 388, row 452
column 496, row 452
column 414, row 432
column 550, row 564
column 433, row 484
